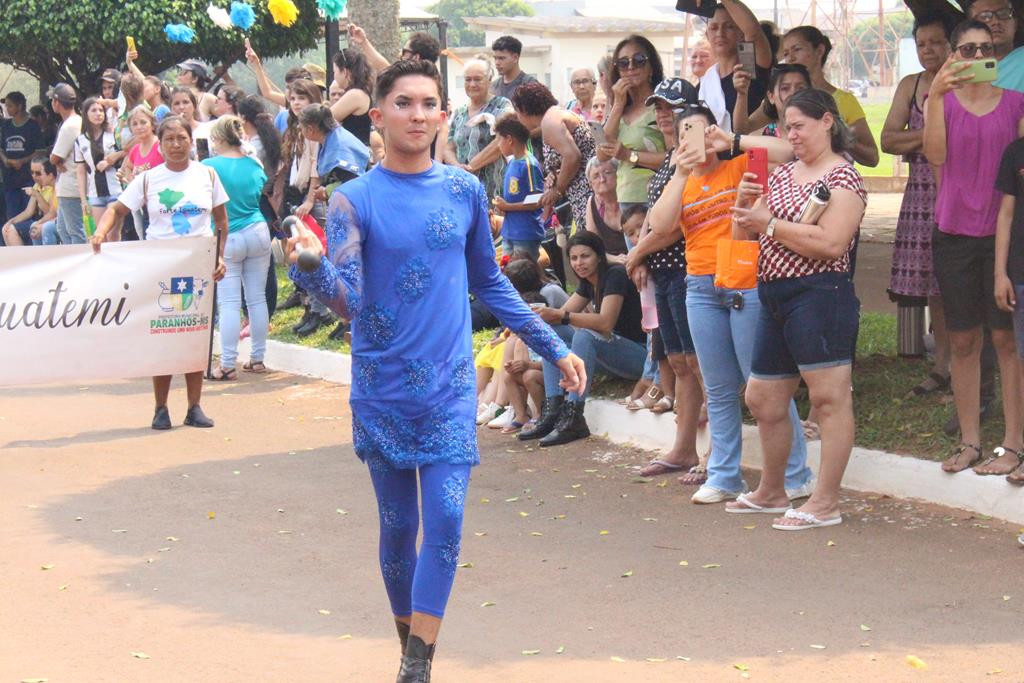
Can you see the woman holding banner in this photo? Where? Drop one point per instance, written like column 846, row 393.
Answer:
column 181, row 197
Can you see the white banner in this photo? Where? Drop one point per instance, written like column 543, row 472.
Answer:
column 136, row 309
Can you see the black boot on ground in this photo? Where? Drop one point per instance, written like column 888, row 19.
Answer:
column 571, row 425
column 416, row 662
column 316, row 321
column 549, row 411
column 338, row 333
column 306, row 316
column 403, row 634
column 195, row 417
column 161, row 418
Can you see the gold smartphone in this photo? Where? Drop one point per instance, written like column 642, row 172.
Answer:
column 693, row 135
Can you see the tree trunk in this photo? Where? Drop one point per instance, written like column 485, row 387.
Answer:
column 379, row 18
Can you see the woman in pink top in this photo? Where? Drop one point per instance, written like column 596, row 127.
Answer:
column 145, row 151
column 967, row 127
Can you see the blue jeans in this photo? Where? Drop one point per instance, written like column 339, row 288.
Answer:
column 651, row 368
column 724, row 338
column 70, row 227
column 531, row 247
column 246, row 255
column 48, row 234
column 617, row 356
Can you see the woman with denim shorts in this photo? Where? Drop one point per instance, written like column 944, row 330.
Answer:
column 700, row 197
column 807, row 325
column 95, row 151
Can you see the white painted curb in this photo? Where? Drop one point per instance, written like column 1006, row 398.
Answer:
column 868, row 471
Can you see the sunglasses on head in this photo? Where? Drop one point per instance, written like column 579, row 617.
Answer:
column 970, row 50
column 637, row 61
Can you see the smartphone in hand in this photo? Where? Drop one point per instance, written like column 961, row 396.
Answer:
column 693, row 134
column 745, row 52
column 981, row 71
column 757, row 163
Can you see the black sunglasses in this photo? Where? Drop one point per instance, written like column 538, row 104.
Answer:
column 637, row 61
column 969, row 50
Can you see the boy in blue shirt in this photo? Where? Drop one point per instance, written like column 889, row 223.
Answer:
column 522, row 229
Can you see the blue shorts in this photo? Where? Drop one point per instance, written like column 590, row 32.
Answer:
column 806, row 323
column 510, row 246
column 670, row 297
column 101, row 202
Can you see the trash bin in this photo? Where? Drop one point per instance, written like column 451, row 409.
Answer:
column 910, row 331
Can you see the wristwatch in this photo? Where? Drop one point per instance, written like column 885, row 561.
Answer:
column 634, row 157
column 565, row 318
column 770, row 230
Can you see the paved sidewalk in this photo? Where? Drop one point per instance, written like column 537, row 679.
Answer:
column 879, row 224
column 248, row 553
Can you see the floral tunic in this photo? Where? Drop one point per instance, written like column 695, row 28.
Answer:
column 404, row 250
column 469, row 140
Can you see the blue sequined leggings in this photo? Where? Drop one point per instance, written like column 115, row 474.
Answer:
column 419, row 584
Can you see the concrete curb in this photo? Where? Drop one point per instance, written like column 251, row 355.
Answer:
column 868, row 471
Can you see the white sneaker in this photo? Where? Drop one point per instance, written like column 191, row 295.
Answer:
column 801, row 491
column 706, row 495
column 492, row 411
column 503, row 420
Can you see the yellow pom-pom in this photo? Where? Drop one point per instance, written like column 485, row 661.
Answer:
column 284, row 12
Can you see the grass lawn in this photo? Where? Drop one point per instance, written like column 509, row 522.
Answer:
column 876, row 114
column 886, row 420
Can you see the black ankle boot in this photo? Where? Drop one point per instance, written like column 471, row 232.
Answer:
column 571, row 425
column 304, row 321
column 403, row 634
column 549, row 412
column 416, row 662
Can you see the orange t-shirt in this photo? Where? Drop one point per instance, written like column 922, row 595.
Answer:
column 707, row 216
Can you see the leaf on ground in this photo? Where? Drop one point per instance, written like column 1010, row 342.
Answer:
column 650, row 519
column 993, row 672
column 513, row 499
column 663, row 483
column 163, row 550
column 325, row 612
column 171, row 538
column 712, row 566
column 480, row 533
column 576, row 486
column 560, row 649
column 284, row 531
column 590, row 471
column 34, row 680
column 627, row 574
column 750, row 527
column 1005, row 598
column 916, row 662
column 620, row 660
column 655, row 659
column 488, row 604
column 817, row 647
column 465, row 565
column 570, row 496
column 63, row 588
column 684, row 563
column 46, row 567
column 682, row 658
column 347, row 636
column 140, row 655
column 211, row 515
column 524, row 514
column 831, row 544
column 340, row 511
column 118, row 531
column 603, row 532
column 536, row 533
column 865, row 628
column 741, row 667
column 641, row 480
column 531, row 652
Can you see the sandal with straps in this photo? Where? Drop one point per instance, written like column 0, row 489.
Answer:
column 997, row 452
column 950, row 463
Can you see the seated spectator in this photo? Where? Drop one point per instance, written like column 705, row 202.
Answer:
column 522, row 229
column 20, row 140
column 610, row 338
column 490, row 389
column 524, row 377
column 603, row 214
column 340, row 157
column 37, row 223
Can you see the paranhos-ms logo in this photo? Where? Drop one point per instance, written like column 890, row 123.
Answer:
column 181, row 302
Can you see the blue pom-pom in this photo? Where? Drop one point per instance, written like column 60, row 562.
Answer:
column 333, row 9
column 179, row 33
column 242, row 15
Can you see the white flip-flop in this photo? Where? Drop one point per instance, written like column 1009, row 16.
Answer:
column 809, row 521
column 752, row 508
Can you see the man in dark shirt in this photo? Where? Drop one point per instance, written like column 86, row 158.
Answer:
column 506, row 61
column 20, row 139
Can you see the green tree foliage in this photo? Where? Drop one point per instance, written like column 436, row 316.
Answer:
column 455, row 10
column 73, row 41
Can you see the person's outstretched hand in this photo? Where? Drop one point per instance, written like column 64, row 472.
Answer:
column 574, row 374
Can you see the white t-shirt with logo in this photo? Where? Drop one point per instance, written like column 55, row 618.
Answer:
column 180, row 203
column 64, row 147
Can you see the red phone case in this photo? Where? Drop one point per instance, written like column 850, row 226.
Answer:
column 757, row 162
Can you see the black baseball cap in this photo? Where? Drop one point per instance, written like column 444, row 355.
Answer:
column 63, row 93
column 673, row 91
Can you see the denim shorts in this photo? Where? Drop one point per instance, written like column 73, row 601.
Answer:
column 670, row 297
column 806, row 323
column 101, row 202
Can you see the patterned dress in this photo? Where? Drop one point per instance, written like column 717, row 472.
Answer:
column 403, row 251
column 469, row 140
column 912, row 275
column 579, row 189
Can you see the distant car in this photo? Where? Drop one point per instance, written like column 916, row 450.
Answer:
column 859, row 88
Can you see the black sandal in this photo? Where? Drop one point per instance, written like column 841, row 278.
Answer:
column 998, row 452
column 932, row 383
column 956, row 455
column 224, row 375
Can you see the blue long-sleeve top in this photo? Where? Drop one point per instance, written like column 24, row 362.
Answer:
column 403, row 251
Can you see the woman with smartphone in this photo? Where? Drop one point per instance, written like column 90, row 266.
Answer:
column 808, row 46
column 785, row 79
column 807, row 327
column 967, row 125
column 912, row 280
column 699, row 198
